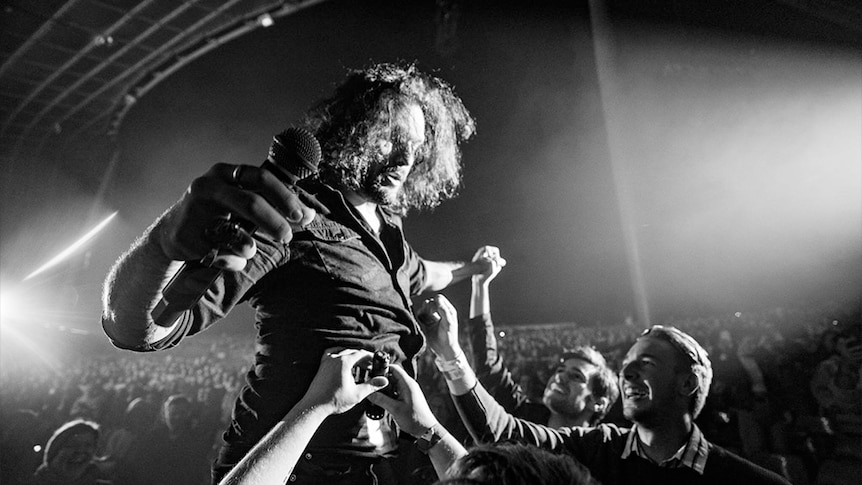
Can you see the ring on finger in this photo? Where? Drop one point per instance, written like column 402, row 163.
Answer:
column 235, row 176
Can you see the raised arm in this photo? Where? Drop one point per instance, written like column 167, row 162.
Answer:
column 185, row 233
column 333, row 391
column 487, row 362
column 485, row 419
column 413, row 415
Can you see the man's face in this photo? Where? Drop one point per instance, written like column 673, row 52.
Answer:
column 568, row 391
column 649, row 380
column 398, row 153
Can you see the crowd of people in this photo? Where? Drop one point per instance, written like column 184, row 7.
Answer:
column 782, row 395
column 312, row 241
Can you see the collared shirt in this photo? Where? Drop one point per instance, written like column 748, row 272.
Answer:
column 692, row 454
column 335, row 284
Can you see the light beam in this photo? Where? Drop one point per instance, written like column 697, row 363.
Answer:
column 74, row 247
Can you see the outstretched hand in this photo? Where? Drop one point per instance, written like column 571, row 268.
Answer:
column 442, row 336
column 489, row 263
column 334, row 385
column 410, row 408
column 235, row 192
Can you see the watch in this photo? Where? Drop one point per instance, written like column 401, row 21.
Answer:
column 430, row 437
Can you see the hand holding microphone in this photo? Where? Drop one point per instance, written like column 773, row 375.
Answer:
column 211, row 227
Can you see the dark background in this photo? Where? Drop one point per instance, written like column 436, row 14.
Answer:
column 669, row 158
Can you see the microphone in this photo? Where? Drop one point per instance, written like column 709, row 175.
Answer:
column 428, row 316
column 293, row 156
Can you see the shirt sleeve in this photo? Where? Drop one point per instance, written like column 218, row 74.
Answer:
column 127, row 320
column 415, row 267
column 488, row 422
column 490, row 370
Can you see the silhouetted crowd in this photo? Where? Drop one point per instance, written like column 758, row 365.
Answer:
column 787, row 394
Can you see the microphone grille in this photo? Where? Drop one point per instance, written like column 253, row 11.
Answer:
column 297, row 151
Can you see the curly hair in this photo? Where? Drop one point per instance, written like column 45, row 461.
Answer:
column 361, row 110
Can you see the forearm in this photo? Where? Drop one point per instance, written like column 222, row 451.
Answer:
column 442, row 274
column 444, row 454
column 488, row 422
column 273, row 459
column 133, row 288
column 488, row 364
column 480, row 300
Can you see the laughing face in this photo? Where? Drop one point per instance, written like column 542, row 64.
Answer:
column 399, row 151
column 568, row 391
column 650, row 381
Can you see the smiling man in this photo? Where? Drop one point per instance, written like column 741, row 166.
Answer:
column 579, row 393
column 664, row 382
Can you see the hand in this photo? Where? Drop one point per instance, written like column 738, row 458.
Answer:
column 334, row 385
column 488, row 264
column 242, row 192
column 410, row 408
column 442, row 337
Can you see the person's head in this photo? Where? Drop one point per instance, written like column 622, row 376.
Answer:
column 139, row 415
column 583, row 387
column 666, row 373
column 71, row 448
column 178, row 412
column 391, row 134
column 516, row 464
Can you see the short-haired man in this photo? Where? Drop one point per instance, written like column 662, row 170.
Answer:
column 579, row 393
column 664, row 381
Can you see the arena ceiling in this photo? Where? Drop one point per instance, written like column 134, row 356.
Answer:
column 71, row 69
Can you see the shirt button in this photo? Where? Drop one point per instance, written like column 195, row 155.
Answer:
column 308, row 456
column 292, row 478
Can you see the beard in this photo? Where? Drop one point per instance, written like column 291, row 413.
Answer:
column 376, row 191
column 376, row 186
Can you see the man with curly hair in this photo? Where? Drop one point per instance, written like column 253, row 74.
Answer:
column 334, row 274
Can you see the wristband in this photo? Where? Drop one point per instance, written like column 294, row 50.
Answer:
column 430, row 437
column 454, row 369
column 454, row 365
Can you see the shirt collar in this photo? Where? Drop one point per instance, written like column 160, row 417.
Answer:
column 692, row 454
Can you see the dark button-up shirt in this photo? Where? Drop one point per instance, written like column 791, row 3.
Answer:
column 336, row 284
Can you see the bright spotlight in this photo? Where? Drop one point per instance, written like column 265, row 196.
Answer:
column 265, row 20
column 71, row 249
column 10, row 306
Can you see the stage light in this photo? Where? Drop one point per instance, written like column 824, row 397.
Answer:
column 10, row 306
column 265, row 20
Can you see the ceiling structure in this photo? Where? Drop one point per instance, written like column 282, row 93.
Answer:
column 71, row 69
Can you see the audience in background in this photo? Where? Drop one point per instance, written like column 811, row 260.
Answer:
column 70, row 456
column 784, row 427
